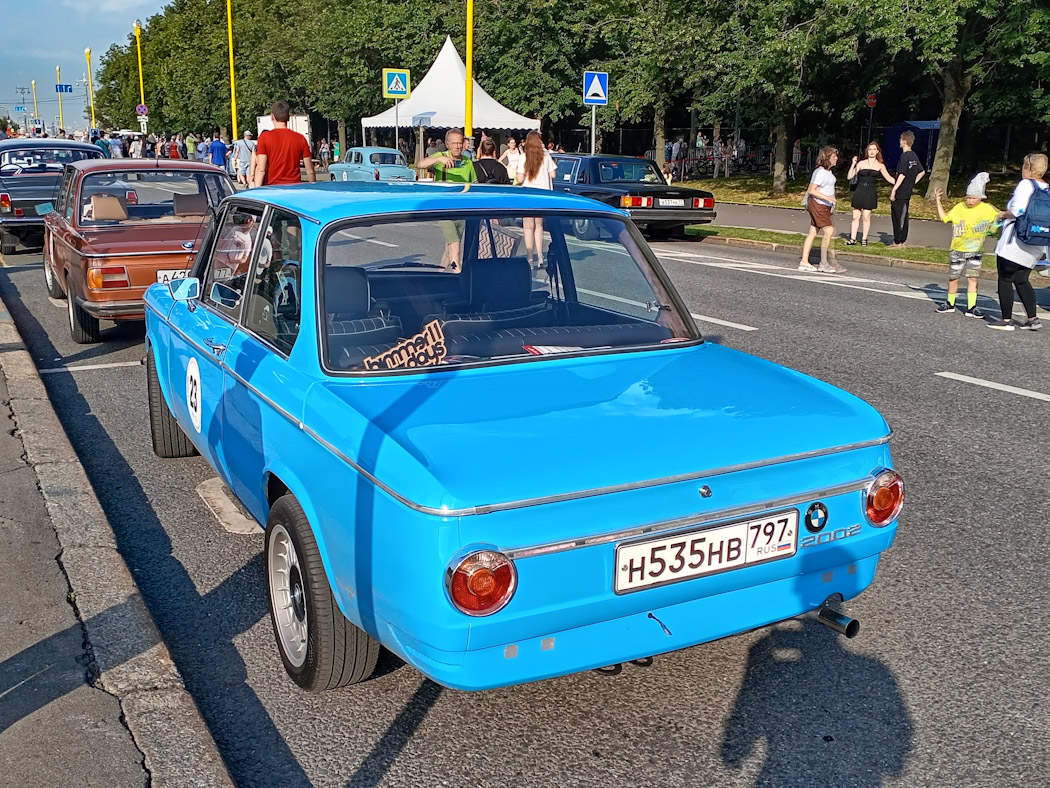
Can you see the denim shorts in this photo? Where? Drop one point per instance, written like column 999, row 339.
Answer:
column 971, row 261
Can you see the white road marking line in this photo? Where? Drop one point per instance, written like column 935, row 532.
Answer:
column 695, row 316
column 213, row 493
column 85, row 367
column 369, row 240
column 992, row 385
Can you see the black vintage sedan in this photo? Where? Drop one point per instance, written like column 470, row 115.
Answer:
column 637, row 186
column 30, row 169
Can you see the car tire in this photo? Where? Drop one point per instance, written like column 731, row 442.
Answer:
column 50, row 280
column 8, row 242
column 585, row 229
column 169, row 439
column 320, row 649
column 82, row 326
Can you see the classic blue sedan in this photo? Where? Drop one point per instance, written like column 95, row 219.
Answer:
column 501, row 470
column 372, row 164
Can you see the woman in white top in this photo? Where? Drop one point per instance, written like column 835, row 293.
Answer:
column 513, row 159
column 537, row 173
column 1015, row 259
column 820, row 201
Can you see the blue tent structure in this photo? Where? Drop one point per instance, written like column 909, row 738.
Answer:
column 926, row 134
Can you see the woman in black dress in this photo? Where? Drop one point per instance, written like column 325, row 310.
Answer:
column 865, row 197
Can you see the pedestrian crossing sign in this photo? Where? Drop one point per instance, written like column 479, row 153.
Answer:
column 397, row 83
column 595, row 88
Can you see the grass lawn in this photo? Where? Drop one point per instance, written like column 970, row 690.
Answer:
column 757, row 190
column 919, row 254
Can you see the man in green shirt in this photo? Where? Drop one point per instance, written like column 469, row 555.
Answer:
column 450, row 165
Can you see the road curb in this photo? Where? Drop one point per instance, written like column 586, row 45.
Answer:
column 129, row 658
column 870, row 259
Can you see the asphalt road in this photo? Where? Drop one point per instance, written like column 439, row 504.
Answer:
column 947, row 684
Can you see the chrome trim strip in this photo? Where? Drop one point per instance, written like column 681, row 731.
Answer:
column 95, row 256
column 542, row 500
column 669, row 527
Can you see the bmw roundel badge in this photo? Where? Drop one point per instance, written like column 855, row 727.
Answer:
column 816, row 517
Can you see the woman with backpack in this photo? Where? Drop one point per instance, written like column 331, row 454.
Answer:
column 1022, row 243
column 487, row 168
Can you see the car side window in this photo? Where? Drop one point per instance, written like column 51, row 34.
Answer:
column 60, row 193
column 274, row 304
column 230, row 263
column 69, row 206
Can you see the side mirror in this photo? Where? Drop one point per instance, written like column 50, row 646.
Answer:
column 185, row 289
column 224, row 295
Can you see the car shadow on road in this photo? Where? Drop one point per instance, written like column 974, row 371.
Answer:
column 199, row 628
column 827, row 716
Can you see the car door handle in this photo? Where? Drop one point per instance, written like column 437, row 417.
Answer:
column 214, row 347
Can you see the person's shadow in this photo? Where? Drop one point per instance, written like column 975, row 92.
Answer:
column 827, row 716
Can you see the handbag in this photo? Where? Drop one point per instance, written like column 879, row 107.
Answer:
column 495, row 243
column 853, row 183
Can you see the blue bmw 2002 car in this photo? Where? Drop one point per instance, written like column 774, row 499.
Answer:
column 372, row 164
column 500, row 473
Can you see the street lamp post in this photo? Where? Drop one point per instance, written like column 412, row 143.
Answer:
column 138, row 47
column 58, row 81
column 233, row 84
column 468, row 114
column 36, row 109
column 91, row 87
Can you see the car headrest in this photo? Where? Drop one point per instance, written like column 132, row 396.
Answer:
column 191, row 204
column 346, row 291
column 500, row 283
column 105, row 208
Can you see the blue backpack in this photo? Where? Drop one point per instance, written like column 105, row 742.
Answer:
column 1033, row 225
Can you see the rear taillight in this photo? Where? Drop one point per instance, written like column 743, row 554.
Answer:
column 636, row 202
column 703, row 202
column 19, row 213
column 377, row 174
column 885, row 498
column 481, row 582
column 108, row 277
column 5, row 201
column 131, row 197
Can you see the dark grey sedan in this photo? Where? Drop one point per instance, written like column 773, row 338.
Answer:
column 30, row 170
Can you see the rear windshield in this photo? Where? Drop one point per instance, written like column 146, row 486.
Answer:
column 28, row 161
column 387, row 158
column 468, row 289
column 631, row 171
column 150, row 196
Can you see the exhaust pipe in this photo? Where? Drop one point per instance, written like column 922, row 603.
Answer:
column 839, row 622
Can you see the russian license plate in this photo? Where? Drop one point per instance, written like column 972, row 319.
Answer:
column 672, row 203
column 166, row 275
column 671, row 559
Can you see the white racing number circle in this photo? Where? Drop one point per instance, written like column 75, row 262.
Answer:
column 193, row 393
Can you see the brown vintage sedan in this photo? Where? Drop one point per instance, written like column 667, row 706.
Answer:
column 118, row 226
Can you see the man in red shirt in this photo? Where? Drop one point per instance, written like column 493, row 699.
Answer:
column 280, row 150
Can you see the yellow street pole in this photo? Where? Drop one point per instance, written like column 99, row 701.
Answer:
column 58, row 80
column 468, row 115
column 233, row 85
column 138, row 46
column 36, row 109
column 91, row 87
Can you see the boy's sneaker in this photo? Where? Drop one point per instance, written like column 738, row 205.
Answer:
column 1032, row 325
column 1001, row 325
column 804, row 266
column 945, row 309
column 975, row 312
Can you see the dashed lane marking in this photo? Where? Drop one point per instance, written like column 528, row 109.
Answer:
column 231, row 518
column 989, row 384
column 704, row 318
column 369, row 240
column 86, row 367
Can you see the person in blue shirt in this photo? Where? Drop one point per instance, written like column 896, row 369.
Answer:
column 218, row 152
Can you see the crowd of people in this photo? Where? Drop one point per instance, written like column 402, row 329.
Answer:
column 1022, row 228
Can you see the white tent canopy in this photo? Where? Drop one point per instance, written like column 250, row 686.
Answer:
column 439, row 101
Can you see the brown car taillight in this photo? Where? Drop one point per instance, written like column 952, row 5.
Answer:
column 5, row 201
column 108, row 277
